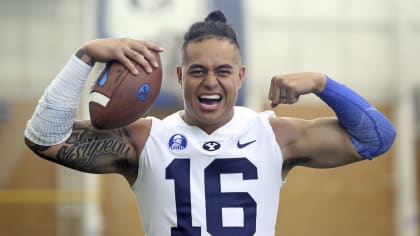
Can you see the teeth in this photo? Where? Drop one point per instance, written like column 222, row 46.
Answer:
column 211, row 97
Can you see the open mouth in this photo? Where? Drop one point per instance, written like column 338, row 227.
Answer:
column 209, row 99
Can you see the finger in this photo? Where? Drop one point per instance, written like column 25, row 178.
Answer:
column 283, row 95
column 273, row 104
column 140, row 60
column 274, row 93
column 271, row 90
column 147, row 53
column 127, row 63
column 154, row 47
column 292, row 96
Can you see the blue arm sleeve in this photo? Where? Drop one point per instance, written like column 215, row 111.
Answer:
column 371, row 133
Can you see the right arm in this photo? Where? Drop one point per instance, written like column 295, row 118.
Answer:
column 99, row 151
column 53, row 134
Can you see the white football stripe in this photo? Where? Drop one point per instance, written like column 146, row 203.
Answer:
column 99, row 98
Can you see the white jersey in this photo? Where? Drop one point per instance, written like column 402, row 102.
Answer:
column 227, row 183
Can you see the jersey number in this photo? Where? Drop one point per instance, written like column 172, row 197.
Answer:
column 179, row 171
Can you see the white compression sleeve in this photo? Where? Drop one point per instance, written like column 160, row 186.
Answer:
column 55, row 113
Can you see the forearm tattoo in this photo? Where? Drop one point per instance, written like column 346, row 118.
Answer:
column 95, row 151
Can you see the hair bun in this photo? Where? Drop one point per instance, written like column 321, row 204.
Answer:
column 216, row 16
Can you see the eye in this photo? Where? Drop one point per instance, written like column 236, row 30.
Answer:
column 197, row 72
column 224, row 72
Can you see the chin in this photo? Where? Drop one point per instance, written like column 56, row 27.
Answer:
column 215, row 117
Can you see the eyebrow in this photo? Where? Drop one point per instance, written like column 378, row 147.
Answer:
column 199, row 66
column 196, row 66
column 224, row 66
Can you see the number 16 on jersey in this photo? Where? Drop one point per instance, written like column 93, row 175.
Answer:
column 179, row 171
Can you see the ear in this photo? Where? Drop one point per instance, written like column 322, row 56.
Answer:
column 241, row 76
column 179, row 74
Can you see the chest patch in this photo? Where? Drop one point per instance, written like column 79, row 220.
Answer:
column 211, row 146
column 177, row 143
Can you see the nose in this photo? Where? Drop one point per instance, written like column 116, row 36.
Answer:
column 211, row 81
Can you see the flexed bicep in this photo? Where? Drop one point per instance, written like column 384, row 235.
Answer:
column 318, row 143
column 326, row 143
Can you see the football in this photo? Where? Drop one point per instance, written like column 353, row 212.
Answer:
column 119, row 97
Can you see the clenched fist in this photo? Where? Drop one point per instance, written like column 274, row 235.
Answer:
column 286, row 89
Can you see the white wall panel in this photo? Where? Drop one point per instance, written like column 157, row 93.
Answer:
column 353, row 41
column 368, row 10
column 330, row 9
column 320, row 51
column 370, row 63
column 412, row 63
column 270, row 9
column 39, row 37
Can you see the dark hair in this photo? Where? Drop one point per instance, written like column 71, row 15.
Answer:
column 214, row 26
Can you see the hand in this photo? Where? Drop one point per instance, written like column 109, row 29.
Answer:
column 125, row 50
column 286, row 89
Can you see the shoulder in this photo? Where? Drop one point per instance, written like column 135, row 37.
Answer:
column 288, row 131
column 285, row 129
column 287, row 126
column 144, row 127
column 245, row 119
column 140, row 131
column 244, row 114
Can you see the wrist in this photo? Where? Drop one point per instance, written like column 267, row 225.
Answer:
column 55, row 113
column 83, row 55
column 321, row 82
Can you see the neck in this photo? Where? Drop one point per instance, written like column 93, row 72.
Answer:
column 208, row 128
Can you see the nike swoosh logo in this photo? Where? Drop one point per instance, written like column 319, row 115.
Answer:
column 242, row 145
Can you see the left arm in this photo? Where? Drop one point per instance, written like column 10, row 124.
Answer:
column 358, row 132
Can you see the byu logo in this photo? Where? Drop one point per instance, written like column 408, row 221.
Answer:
column 211, row 146
column 177, row 142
